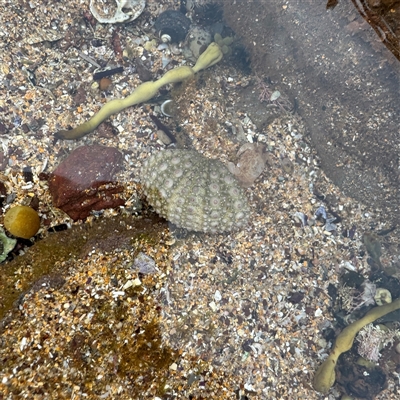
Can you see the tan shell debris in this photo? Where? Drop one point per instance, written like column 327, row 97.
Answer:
column 251, row 164
column 107, row 12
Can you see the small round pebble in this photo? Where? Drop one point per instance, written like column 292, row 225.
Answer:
column 22, row 221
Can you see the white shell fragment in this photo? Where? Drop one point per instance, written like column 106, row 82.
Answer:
column 217, row 296
column 165, row 38
column 197, row 40
column 107, row 12
column 167, row 108
column 144, row 264
column 275, row 95
column 382, row 296
column 23, row 343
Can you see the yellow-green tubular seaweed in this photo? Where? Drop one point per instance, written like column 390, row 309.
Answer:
column 145, row 92
column 325, row 376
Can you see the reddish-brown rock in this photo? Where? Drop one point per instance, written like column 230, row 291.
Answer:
column 84, row 181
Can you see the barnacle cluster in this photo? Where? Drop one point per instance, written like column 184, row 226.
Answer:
column 194, row 192
column 372, row 339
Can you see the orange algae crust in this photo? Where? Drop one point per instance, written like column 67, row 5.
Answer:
column 140, row 358
column 112, row 343
column 22, row 221
column 47, row 256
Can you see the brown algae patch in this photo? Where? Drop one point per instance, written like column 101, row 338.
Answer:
column 99, row 328
column 48, row 255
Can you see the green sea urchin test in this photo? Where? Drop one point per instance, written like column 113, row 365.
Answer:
column 194, row 192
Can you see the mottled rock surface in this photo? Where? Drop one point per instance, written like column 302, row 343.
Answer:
column 345, row 84
column 85, row 182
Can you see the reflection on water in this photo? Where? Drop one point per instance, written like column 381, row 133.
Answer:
column 384, row 17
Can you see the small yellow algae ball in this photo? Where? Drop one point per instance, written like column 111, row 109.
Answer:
column 22, row 221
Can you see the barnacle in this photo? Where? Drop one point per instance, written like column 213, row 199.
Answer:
column 382, row 296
